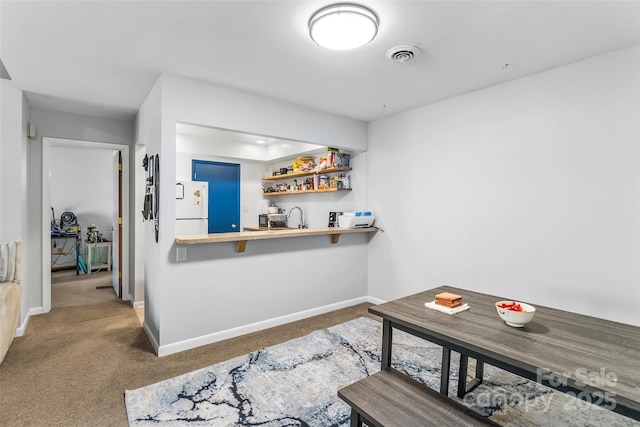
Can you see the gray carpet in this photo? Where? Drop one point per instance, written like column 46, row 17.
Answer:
column 73, row 364
column 70, row 290
column 295, row 384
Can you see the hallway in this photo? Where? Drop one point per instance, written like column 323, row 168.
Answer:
column 69, row 290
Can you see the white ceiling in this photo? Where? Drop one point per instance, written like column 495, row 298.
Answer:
column 232, row 144
column 102, row 57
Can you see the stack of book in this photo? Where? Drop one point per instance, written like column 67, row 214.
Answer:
column 447, row 303
column 448, row 300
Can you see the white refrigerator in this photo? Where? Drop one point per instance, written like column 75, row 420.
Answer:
column 192, row 207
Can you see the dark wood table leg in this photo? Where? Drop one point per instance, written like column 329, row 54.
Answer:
column 387, row 343
column 479, row 370
column 462, row 375
column 465, row 387
column 444, row 371
column 355, row 419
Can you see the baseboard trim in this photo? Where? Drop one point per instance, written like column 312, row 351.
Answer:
column 152, row 339
column 138, row 304
column 20, row 330
column 165, row 350
column 376, row 301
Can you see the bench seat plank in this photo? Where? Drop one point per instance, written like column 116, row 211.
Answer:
column 390, row 398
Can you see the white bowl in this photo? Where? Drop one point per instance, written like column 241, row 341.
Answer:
column 514, row 318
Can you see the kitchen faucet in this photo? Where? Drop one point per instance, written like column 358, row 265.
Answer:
column 301, row 224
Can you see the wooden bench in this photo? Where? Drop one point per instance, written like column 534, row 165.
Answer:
column 390, row 398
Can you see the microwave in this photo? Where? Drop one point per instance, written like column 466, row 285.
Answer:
column 263, row 220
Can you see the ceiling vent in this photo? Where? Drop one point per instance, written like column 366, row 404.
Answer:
column 403, row 54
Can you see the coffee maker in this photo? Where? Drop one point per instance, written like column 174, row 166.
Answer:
column 333, row 218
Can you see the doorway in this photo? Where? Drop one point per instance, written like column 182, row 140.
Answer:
column 224, row 193
column 111, row 225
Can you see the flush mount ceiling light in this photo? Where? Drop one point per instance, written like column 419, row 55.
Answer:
column 343, row 26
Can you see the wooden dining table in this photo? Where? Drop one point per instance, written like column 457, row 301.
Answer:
column 593, row 359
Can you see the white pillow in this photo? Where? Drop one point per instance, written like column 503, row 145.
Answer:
column 11, row 264
column 17, row 276
column 4, row 261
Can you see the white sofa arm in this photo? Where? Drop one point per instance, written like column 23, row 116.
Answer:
column 10, row 301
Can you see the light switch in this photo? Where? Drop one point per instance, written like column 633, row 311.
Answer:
column 181, row 254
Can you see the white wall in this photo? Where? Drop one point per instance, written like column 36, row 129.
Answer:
column 82, row 183
column 14, row 148
column 225, row 108
column 56, row 124
column 139, row 229
column 219, row 293
column 11, row 151
column 149, row 129
column 527, row 190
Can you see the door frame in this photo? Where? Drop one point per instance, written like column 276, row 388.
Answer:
column 118, row 223
column 238, row 194
column 47, row 144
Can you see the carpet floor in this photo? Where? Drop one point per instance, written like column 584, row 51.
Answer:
column 73, row 364
column 295, row 384
column 69, row 289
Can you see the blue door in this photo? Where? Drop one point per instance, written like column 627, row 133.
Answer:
column 224, row 193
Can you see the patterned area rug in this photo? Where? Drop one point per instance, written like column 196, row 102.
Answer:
column 295, row 384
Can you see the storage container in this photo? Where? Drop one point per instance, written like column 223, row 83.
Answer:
column 361, row 221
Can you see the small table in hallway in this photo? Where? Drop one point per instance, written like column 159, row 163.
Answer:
column 93, row 250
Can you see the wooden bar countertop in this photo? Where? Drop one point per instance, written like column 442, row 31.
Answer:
column 257, row 233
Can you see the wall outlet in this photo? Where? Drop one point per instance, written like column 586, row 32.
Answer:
column 181, row 254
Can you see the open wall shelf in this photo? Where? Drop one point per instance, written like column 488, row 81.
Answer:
column 291, row 193
column 307, row 173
